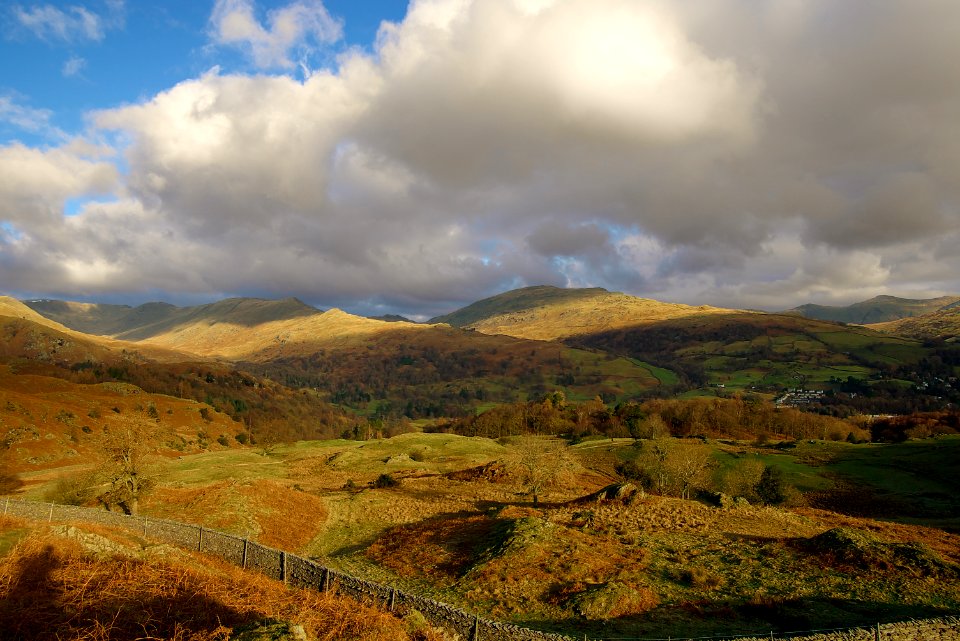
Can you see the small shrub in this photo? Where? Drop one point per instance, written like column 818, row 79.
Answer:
column 771, row 488
column 696, row 577
column 630, row 471
column 73, row 490
column 222, row 440
column 385, row 481
column 242, row 438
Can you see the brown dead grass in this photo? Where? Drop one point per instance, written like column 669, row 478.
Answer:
column 944, row 543
column 288, row 518
column 267, row 511
column 51, row 589
column 48, row 423
column 441, row 548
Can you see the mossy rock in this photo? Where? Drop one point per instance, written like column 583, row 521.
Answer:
column 612, row 600
column 848, row 546
column 269, row 630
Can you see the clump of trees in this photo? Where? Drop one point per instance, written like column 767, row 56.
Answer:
column 735, row 417
column 894, row 429
column 684, row 468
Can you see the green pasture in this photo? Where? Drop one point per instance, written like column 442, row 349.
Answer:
column 921, row 475
column 226, row 465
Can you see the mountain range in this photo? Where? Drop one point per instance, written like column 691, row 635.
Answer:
column 284, row 367
column 538, row 312
column 880, row 309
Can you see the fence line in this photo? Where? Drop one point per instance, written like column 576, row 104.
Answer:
column 299, row 572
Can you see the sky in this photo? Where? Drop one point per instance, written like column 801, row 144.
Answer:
column 386, row 157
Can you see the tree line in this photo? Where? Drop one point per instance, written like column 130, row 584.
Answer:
column 735, row 417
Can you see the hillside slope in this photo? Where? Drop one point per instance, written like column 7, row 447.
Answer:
column 253, row 332
column 77, row 581
column 373, row 367
column 551, row 313
column 30, row 335
column 97, row 319
column 943, row 323
column 153, row 319
column 32, row 348
column 46, row 422
column 879, row 309
column 12, row 308
column 761, row 351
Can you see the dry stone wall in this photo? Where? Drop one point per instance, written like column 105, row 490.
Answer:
column 460, row 625
column 946, row 629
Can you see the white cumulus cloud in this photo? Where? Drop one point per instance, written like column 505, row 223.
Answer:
column 727, row 152
column 300, row 24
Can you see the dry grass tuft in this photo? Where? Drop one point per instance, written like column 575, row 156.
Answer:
column 50, row 588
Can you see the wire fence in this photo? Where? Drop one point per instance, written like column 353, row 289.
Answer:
column 300, row 572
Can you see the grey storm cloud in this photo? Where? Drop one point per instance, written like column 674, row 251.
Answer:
column 733, row 152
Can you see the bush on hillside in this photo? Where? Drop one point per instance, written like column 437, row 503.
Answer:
column 386, row 481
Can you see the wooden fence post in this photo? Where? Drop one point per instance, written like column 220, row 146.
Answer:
column 283, row 566
column 50, row 516
column 876, row 632
column 476, row 628
column 245, row 543
column 393, row 596
column 200, row 540
column 6, row 506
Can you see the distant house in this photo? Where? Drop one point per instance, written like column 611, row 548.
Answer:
column 797, row 397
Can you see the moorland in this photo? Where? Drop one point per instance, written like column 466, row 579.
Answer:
column 577, row 461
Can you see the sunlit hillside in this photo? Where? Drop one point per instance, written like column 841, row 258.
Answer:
column 251, row 339
column 551, row 313
column 48, row 422
column 388, row 368
column 44, row 339
column 944, row 323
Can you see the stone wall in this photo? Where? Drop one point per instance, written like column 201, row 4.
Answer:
column 301, row 572
column 946, row 629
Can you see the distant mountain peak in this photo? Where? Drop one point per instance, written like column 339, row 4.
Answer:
column 879, row 309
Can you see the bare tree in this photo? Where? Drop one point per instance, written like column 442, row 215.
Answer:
column 675, row 466
column 689, row 463
column 540, row 463
column 125, row 446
